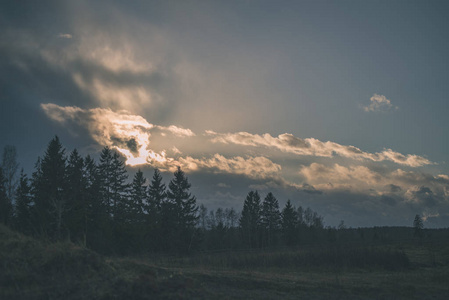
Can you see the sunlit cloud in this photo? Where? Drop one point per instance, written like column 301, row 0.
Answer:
column 133, row 136
column 130, row 135
column 379, row 103
column 113, row 95
column 414, row 188
column 313, row 147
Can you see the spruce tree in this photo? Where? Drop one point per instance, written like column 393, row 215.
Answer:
column 10, row 167
column 5, row 202
column 97, row 226
column 113, row 176
column 156, row 193
column 418, row 226
column 23, row 205
column 157, row 212
column 138, row 197
column 182, row 210
column 289, row 222
column 76, row 194
column 250, row 219
column 270, row 219
column 49, row 184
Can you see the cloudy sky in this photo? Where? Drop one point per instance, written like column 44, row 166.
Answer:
column 337, row 105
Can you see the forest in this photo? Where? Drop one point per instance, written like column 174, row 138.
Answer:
column 81, row 229
column 69, row 197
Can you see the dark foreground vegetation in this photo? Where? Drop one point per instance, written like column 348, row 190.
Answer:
column 78, row 229
column 412, row 269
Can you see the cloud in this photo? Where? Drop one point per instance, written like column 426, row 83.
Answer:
column 65, row 36
column 167, row 147
column 313, row 147
column 379, row 103
column 253, row 167
column 415, row 188
column 130, row 135
column 223, row 185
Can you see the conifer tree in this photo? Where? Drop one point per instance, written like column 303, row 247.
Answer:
column 76, row 197
column 10, row 167
column 418, row 226
column 5, row 203
column 250, row 219
column 156, row 193
column 158, row 213
column 270, row 218
column 113, row 176
column 49, row 184
column 182, row 210
column 289, row 224
column 97, row 217
column 138, row 197
column 23, row 205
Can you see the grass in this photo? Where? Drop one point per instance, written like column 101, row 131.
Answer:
column 31, row 269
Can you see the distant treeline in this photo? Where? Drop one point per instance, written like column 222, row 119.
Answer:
column 69, row 197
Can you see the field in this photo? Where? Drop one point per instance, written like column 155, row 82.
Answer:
column 410, row 269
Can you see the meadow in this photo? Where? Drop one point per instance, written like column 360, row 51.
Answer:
column 386, row 269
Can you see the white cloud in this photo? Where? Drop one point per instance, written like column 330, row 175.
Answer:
column 379, row 103
column 313, row 147
column 130, row 135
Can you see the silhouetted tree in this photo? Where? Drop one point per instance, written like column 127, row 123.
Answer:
column 113, row 177
column 138, row 197
column 156, row 209
column 231, row 217
column 418, row 226
column 49, row 184
column 203, row 217
column 183, row 209
column 76, row 197
column 10, row 167
column 270, row 219
column 97, row 219
column 250, row 219
column 22, row 214
column 289, row 223
column 156, row 195
column 5, row 202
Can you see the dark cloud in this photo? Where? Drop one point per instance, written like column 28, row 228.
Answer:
column 425, row 196
column 310, row 189
column 394, row 188
column 391, row 201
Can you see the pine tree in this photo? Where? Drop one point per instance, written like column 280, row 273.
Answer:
column 138, row 197
column 270, row 218
column 250, row 219
column 158, row 212
column 183, row 210
column 97, row 224
column 23, row 205
column 113, row 176
column 76, row 194
column 49, row 184
column 10, row 167
column 5, row 202
column 289, row 223
column 418, row 226
column 156, row 193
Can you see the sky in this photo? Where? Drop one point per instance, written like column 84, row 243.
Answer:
column 340, row 106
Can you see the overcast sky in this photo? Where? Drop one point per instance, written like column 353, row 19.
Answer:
column 337, row 105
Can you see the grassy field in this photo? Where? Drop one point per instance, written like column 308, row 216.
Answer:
column 414, row 269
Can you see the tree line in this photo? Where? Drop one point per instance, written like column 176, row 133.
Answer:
column 69, row 197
